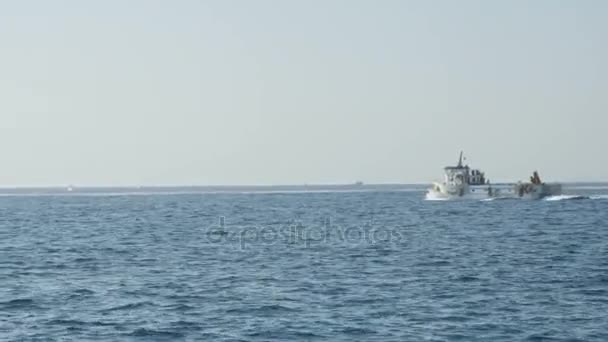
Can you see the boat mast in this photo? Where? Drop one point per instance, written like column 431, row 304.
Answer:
column 460, row 160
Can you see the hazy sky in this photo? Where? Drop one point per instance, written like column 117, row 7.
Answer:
column 124, row 92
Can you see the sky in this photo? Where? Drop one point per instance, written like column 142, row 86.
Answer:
column 185, row 92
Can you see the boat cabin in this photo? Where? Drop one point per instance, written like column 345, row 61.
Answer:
column 458, row 175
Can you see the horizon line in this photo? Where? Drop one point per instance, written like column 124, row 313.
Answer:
column 160, row 186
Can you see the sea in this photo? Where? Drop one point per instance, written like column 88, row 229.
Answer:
column 356, row 263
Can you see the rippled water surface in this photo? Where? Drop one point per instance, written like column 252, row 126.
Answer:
column 335, row 266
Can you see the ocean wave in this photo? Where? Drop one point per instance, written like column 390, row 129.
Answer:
column 586, row 187
column 130, row 306
column 154, row 334
column 263, row 310
column 22, row 303
column 78, row 323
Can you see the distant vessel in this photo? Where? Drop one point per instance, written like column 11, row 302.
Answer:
column 460, row 181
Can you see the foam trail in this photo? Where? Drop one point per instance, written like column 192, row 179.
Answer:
column 565, row 197
column 432, row 196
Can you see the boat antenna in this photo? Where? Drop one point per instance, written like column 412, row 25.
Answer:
column 460, row 160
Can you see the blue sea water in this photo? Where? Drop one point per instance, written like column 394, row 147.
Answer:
column 303, row 266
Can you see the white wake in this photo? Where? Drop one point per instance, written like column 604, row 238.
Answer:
column 576, row 197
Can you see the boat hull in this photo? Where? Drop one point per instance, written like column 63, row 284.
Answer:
column 516, row 190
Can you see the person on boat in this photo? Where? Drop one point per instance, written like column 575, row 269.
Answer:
column 537, row 177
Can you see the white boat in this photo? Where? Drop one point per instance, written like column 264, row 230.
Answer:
column 461, row 181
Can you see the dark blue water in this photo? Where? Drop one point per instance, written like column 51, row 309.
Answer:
column 355, row 266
